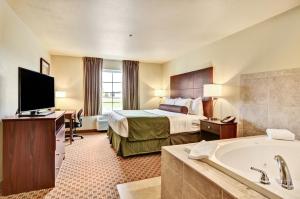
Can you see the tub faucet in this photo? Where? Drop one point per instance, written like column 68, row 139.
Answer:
column 264, row 179
column 285, row 176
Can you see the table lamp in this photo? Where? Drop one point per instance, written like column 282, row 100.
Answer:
column 160, row 93
column 214, row 91
column 59, row 95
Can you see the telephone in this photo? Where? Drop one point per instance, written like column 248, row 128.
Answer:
column 229, row 119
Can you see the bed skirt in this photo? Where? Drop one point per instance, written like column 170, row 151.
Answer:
column 124, row 147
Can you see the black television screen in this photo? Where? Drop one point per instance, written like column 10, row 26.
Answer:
column 36, row 91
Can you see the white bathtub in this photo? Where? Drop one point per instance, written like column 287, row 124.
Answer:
column 235, row 157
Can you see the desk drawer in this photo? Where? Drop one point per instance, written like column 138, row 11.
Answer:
column 210, row 127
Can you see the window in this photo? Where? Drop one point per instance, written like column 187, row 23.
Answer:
column 111, row 90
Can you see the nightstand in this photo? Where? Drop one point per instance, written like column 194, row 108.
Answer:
column 215, row 129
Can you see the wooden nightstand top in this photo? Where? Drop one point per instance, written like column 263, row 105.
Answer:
column 217, row 122
column 224, row 130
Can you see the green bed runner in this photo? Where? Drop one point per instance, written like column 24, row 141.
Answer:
column 143, row 125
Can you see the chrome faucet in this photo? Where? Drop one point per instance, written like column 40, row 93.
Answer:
column 264, row 179
column 285, row 176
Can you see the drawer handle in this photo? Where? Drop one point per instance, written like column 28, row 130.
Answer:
column 208, row 127
column 57, row 140
column 56, row 167
column 57, row 154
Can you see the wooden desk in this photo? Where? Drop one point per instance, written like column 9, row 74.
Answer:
column 70, row 115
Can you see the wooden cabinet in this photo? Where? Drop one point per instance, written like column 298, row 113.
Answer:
column 33, row 151
column 215, row 129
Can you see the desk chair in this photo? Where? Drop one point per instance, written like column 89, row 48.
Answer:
column 76, row 124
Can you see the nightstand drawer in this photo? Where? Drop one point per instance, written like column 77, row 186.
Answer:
column 210, row 127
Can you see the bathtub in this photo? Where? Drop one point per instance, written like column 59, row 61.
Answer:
column 235, row 157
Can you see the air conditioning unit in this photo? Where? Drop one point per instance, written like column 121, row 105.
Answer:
column 102, row 123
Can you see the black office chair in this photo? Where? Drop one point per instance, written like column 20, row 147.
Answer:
column 76, row 124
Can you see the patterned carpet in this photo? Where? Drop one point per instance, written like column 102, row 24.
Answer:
column 92, row 170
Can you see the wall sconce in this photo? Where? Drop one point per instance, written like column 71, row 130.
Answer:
column 214, row 91
column 160, row 93
column 60, row 94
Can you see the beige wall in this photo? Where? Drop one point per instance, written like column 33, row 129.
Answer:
column 150, row 80
column 18, row 47
column 68, row 73
column 271, row 45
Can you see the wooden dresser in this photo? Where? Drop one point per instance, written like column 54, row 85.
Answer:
column 33, row 151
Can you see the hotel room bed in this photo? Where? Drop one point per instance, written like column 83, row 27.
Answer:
column 134, row 132
column 146, row 131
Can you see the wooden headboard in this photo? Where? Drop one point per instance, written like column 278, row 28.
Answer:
column 190, row 85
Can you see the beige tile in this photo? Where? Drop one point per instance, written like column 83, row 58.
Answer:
column 171, row 184
column 254, row 75
column 254, row 119
column 189, row 192
column 226, row 195
column 294, row 122
column 169, row 161
column 285, row 117
column 254, row 91
column 202, row 184
column 171, row 176
column 278, row 117
column 146, row 189
column 285, row 90
column 288, row 72
column 166, row 195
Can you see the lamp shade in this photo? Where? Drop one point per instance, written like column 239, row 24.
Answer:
column 60, row 94
column 212, row 90
column 160, row 93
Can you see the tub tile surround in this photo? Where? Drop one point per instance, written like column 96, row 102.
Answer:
column 183, row 178
column 270, row 100
column 145, row 189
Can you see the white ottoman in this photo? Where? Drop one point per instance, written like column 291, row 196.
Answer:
column 102, row 124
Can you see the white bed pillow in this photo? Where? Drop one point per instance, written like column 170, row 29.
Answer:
column 197, row 106
column 184, row 102
column 169, row 101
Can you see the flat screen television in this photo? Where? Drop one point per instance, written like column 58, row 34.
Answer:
column 36, row 92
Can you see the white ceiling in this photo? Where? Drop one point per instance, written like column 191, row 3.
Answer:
column 162, row 29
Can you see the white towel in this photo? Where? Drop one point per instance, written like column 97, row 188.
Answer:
column 202, row 150
column 280, row 134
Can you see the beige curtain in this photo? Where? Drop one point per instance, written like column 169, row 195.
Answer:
column 130, row 85
column 92, row 75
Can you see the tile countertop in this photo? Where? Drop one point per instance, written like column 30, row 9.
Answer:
column 226, row 182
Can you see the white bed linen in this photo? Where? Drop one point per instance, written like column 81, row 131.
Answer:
column 179, row 122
